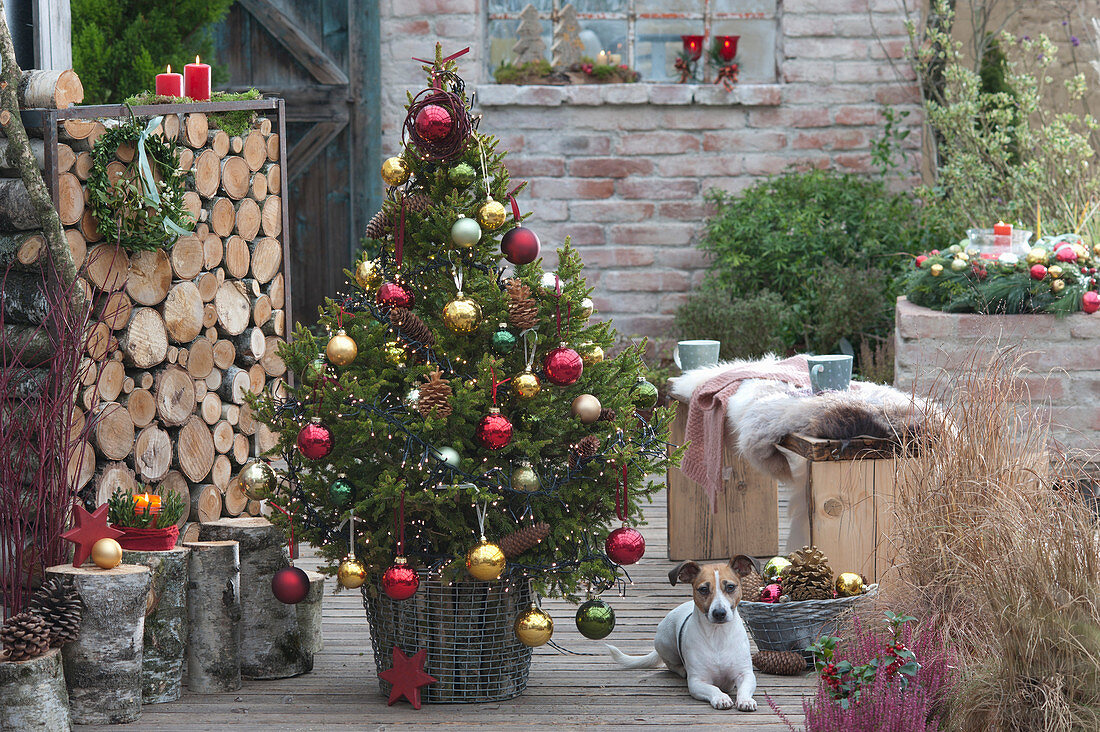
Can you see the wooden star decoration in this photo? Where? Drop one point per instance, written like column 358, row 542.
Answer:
column 406, row 676
column 88, row 528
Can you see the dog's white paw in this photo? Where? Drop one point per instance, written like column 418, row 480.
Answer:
column 747, row 705
column 722, row 701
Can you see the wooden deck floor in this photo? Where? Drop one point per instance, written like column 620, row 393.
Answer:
column 565, row 691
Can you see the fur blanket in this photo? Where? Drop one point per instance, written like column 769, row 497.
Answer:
column 762, row 412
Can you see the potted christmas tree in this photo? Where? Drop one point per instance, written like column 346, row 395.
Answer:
column 459, row 441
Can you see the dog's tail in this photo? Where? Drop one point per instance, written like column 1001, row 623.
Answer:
column 650, row 660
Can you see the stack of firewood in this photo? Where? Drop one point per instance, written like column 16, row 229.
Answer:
column 179, row 336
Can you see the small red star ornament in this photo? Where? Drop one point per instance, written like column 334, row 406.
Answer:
column 88, row 528
column 407, row 675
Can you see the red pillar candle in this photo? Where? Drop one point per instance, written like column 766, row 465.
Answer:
column 1002, row 236
column 196, row 80
column 169, row 84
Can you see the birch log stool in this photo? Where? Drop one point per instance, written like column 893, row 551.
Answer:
column 271, row 644
column 309, row 616
column 214, row 617
column 103, row 665
column 165, row 637
column 33, row 695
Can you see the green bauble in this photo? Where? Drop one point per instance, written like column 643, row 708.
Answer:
column 340, row 491
column 644, row 394
column 465, row 232
column 595, row 619
column 775, row 568
column 503, row 341
column 462, row 174
column 314, row 371
column 449, row 455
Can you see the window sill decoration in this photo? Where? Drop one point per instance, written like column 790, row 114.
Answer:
column 585, row 72
column 663, row 94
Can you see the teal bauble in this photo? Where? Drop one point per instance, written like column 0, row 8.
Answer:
column 503, row 341
column 595, row 619
column 644, row 394
column 462, row 174
column 465, row 232
column 340, row 491
column 449, row 455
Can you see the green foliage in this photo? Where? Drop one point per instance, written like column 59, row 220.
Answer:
column 120, row 45
column 509, row 73
column 121, row 511
column 233, row 123
column 748, row 327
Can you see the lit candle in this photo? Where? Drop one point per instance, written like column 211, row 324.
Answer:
column 147, row 503
column 169, row 84
column 196, row 80
column 615, row 58
column 693, row 46
column 727, row 47
column 601, row 58
column 1002, row 235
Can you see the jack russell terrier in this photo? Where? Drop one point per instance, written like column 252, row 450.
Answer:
column 704, row 639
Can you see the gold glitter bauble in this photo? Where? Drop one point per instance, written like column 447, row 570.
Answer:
column 257, row 480
column 1038, row 255
column 590, row 353
column 341, row 349
column 395, row 354
column 351, row 573
column 485, row 561
column 1054, row 271
column 534, row 627
column 526, row 385
column 525, row 479
column 492, row 215
column 395, row 171
column 462, row 315
column 107, row 553
column 586, row 408
column 849, row 584
column 368, row 275
column 936, row 269
column 1057, row 286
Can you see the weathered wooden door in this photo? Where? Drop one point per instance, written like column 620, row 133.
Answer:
column 322, row 57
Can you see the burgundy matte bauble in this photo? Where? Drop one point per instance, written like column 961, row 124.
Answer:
column 520, row 245
column 400, row 581
column 290, row 585
column 494, row 431
column 1038, row 271
column 563, row 366
column 771, row 593
column 394, row 295
column 315, row 440
column 433, row 123
column 1090, row 302
column 625, row 545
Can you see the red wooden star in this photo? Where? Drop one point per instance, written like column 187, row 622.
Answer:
column 87, row 530
column 407, row 676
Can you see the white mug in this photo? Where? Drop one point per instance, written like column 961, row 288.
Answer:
column 690, row 355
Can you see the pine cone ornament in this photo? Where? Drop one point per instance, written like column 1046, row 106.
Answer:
column 751, row 586
column 523, row 539
column 435, row 395
column 607, row 415
column 418, row 202
column 523, row 310
column 25, row 636
column 379, row 225
column 780, row 663
column 586, row 448
column 61, row 608
column 411, row 327
column 809, row 577
column 385, row 221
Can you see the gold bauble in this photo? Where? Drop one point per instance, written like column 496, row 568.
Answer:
column 492, row 215
column 485, row 561
column 368, row 275
column 525, row 479
column 586, row 408
column 257, row 480
column 526, row 386
column 341, row 349
column 590, row 353
column 107, row 553
column 534, row 627
column 1038, row 255
column 351, row 573
column 395, row 354
column 1057, row 286
column 462, row 315
column 849, row 584
column 958, row 265
column 936, row 270
column 395, row 171
column 1096, row 249
column 1081, row 252
column 1054, row 271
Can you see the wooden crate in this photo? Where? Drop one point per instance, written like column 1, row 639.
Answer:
column 747, row 520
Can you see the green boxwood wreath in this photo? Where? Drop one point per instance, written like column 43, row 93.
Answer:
column 120, row 207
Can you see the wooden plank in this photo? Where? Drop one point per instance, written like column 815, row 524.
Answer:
column 813, row 448
column 842, row 514
column 301, row 47
column 311, row 145
column 887, row 473
column 52, row 30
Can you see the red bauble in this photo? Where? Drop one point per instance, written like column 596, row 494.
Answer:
column 394, row 295
column 625, row 545
column 921, row 259
column 400, row 581
column 315, row 440
column 563, row 366
column 494, row 431
column 520, row 245
column 433, row 123
column 290, row 585
column 1038, row 271
column 771, row 593
column 1066, row 254
column 1090, row 302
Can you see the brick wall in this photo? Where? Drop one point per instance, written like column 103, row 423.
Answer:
column 1060, row 358
column 623, row 168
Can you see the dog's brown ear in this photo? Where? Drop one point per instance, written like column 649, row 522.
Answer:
column 685, row 572
column 743, row 565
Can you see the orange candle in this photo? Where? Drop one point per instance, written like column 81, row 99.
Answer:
column 147, row 503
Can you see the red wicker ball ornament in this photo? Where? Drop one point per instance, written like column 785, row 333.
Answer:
column 290, row 585
column 563, row 366
column 394, row 295
column 400, row 581
column 771, row 593
column 433, row 123
column 315, row 440
column 520, row 245
column 1090, row 302
column 625, row 545
column 494, row 431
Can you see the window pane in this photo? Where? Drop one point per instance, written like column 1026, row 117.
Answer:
column 600, row 6
column 604, row 35
column 667, row 7
column 515, row 7
column 657, row 43
column 502, row 36
column 755, row 50
column 761, row 7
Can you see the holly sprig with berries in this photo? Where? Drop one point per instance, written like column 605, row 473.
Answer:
column 846, row 681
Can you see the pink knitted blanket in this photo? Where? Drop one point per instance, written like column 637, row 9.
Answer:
column 706, row 421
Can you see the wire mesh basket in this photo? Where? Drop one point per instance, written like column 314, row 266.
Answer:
column 466, row 628
column 794, row 626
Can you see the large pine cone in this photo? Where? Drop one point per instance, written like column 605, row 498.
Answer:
column 780, row 663
column 61, row 608
column 751, row 585
column 809, row 577
column 411, row 327
column 586, row 448
column 523, row 539
column 435, row 395
column 523, row 310
column 607, row 415
column 384, row 222
column 25, row 636
column 379, row 225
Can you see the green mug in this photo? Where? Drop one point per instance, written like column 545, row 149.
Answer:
column 829, row 373
column 690, row 355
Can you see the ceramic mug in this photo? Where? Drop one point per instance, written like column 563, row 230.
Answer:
column 690, row 355
column 829, row 372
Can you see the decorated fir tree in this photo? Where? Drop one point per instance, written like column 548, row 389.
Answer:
column 456, row 396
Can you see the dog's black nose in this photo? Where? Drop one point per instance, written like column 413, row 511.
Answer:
column 718, row 613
